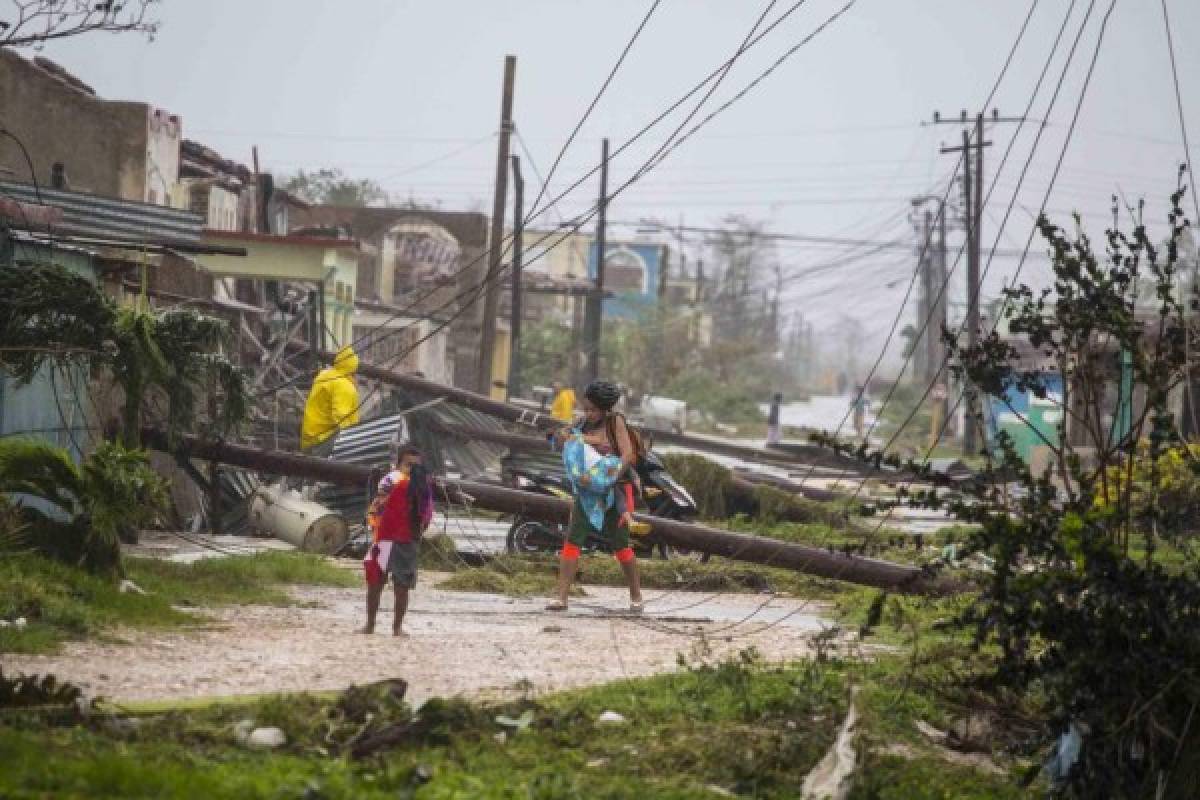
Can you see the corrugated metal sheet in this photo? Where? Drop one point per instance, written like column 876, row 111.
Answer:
column 237, row 486
column 371, row 444
column 549, row 463
column 93, row 215
column 374, row 443
column 56, row 405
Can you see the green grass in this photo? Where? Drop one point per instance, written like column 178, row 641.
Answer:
column 748, row 728
column 523, row 576
column 61, row 603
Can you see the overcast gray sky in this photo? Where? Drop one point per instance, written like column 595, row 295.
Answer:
column 832, row 143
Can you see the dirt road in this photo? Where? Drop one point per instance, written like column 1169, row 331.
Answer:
column 459, row 643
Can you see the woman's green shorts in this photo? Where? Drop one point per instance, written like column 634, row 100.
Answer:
column 579, row 529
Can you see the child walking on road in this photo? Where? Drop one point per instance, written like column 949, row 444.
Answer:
column 399, row 516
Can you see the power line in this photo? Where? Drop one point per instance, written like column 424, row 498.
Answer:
column 583, row 219
column 749, row 42
column 1061, row 157
column 941, row 212
column 1000, row 230
column 1187, row 149
column 891, row 333
column 592, row 106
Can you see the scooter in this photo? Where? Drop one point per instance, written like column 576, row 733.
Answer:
column 664, row 497
column 667, row 498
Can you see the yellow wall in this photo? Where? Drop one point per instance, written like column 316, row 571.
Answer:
column 295, row 261
column 501, row 358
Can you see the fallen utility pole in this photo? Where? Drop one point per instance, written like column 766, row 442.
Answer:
column 736, row 546
column 785, row 456
column 743, row 483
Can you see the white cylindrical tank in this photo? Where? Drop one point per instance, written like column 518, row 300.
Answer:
column 302, row 523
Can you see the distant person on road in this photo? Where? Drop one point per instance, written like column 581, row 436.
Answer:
column 331, row 406
column 563, row 406
column 607, row 432
column 773, row 426
column 860, row 411
column 398, row 519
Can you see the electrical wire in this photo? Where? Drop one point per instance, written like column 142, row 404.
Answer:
column 941, row 210
column 612, row 73
column 534, row 213
column 1045, row 200
column 501, row 268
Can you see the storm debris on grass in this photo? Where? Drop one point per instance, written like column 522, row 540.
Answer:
column 754, row 729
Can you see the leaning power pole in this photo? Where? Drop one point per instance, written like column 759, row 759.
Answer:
column 514, row 337
column 491, row 279
column 593, row 322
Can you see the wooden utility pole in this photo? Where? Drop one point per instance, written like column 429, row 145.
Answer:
column 968, row 440
column 937, row 346
column 786, row 455
column 971, row 210
column 593, row 322
column 973, row 214
column 920, row 354
column 491, row 295
column 737, row 546
column 514, row 337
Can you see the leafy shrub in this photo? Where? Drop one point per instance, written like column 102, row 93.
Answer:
column 87, row 509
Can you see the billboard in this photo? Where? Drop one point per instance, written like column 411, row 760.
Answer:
column 631, row 274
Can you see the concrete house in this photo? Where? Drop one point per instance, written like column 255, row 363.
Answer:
column 78, row 140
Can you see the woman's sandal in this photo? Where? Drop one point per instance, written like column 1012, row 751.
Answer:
column 637, row 608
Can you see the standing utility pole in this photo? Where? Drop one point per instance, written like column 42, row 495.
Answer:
column 972, row 401
column 973, row 214
column 922, row 366
column 487, row 342
column 514, row 364
column 593, row 322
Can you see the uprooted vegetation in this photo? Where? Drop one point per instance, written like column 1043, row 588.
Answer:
column 718, row 497
column 1089, row 615
column 735, row 728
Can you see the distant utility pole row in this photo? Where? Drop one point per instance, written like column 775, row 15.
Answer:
column 972, row 182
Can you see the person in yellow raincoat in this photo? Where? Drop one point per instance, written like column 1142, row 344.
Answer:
column 563, row 406
column 332, row 404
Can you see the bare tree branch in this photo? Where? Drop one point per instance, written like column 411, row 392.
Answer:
column 32, row 23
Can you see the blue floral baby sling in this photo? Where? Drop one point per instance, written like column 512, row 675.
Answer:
column 579, row 459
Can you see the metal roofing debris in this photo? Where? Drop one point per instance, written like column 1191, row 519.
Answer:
column 370, row 444
column 374, row 443
column 93, row 215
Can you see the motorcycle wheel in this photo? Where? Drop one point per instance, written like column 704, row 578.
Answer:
column 527, row 536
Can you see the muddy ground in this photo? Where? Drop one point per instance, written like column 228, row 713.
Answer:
column 459, row 643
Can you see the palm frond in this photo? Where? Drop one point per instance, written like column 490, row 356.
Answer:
column 37, row 468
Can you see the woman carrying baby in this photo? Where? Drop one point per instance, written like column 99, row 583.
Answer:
column 606, row 432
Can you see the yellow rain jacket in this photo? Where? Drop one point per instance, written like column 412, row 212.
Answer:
column 563, row 407
column 333, row 402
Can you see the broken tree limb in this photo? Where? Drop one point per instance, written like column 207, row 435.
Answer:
column 737, row 546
